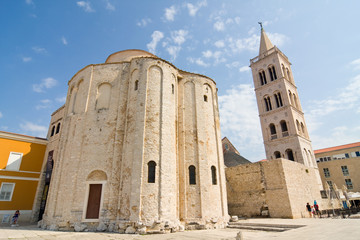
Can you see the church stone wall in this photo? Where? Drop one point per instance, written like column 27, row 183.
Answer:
column 280, row 186
column 120, row 117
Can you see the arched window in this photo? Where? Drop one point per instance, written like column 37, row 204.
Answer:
column 283, row 70
column 277, row 154
column 278, row 100
column 298, row 126
column 192, row 175
column 52, row 131
column 288, row 74
column 289, row 154
column 172, row 89
column 103, row 96
column 205, row 98
column 267, row 103
column 295, row 101
column 136, row 85
column 272, row 131
column 213, row 175
column 262, row 77
column 290, row 98
column 284, row 128
column 58, row 128
column 303, row 129
column 272, row 73
column 151, row 171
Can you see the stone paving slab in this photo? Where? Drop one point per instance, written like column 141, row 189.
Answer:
column 319, row 229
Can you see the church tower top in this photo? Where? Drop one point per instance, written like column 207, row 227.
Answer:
column 265, row 43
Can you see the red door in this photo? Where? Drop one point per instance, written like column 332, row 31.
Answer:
column 93, row 206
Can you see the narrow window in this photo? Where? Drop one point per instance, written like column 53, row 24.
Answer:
column 302, row 128
column 347, row 155
column 349, row 184
column 295, row 101
column 330, row 184
column 284, row 128
column 272, row 131
column 345, row 170
column 290, row 154
column 172, row 88
column 205, row 98
column 136, row 85
column 326, row 172
column 151, row 171
column 277, row 154
column 278, row 100
column 266, row 104
column 298, row 126
column 283, row 69
column 262, row 77
column 58, row 128
column 6, row 191
column 288, row 74
column 192, row 175
column 274, row 72
column 14, row 161
column 213, row 175
column 52, row 131
column 290, row 98
column 271, row 74
column 269, row 101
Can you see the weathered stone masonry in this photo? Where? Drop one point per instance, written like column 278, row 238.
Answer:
column 139, row 151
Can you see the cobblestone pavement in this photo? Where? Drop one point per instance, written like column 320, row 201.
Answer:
column 344, row 229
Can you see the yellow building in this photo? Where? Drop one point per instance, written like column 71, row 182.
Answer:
column 340, row 165
column 21, row 160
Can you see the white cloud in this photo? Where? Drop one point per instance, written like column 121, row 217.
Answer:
column 61, row 100
column 85, row 6
column 26, row 59
column 34, row 129
column 173, row 51
column 109, row 6
column 242, row 127
column 194, row 9
column 347, row 98
column 356, row 64
column 156, row 37
column 219, row 44
column 198, row 61
column 179, row 37
column 1, row 115
column 39, row 50
column 207, row 54
column 277, row 38
column 45, row 103
column 219, row 25
column 244, row 69
column 45, row 84
column 29, row 2
column 64, row 41
column 170, row 13
column 144, row 22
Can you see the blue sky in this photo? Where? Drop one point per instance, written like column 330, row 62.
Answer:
column 44, row 43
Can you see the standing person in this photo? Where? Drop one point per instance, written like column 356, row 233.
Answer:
column 317, row 210
column 15, row 218
column 313, row 211
column 308, row 207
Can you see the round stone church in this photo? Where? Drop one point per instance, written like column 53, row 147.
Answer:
column 139, row 150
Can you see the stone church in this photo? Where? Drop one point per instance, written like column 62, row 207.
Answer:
column 139, row 150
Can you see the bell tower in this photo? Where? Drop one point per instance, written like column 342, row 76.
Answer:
column 282, row 119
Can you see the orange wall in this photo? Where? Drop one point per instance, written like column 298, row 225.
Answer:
column 33, row 154
column 23, row 196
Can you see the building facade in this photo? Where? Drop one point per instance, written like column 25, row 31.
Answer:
column 21, row 160
column 139, row 150
column 339, row 166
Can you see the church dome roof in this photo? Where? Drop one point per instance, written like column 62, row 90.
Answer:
column 127, row 55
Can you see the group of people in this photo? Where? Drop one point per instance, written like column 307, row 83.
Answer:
column 313, row 210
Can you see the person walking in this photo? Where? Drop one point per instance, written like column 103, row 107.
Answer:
column 308, row 207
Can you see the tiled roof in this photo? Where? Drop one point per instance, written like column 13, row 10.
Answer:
column 350, row 145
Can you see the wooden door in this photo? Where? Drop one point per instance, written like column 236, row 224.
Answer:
column 93, row 206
